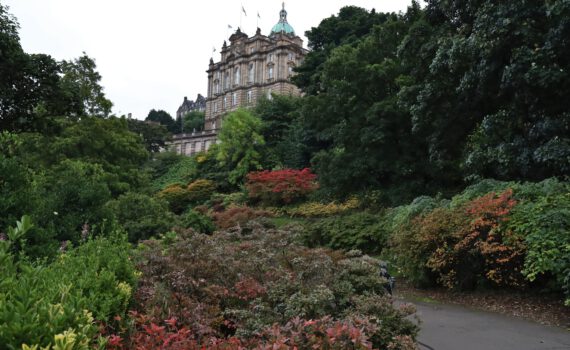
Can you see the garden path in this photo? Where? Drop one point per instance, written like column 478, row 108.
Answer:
column 451, row 327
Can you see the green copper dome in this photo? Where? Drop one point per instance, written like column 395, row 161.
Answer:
column 282, row 26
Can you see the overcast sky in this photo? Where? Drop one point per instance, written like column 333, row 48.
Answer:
column 152, row 53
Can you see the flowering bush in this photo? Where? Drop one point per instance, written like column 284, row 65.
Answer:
column 255, row 288
column 280, row 186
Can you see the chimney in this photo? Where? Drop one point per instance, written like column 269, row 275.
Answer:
column 185, row 98
column 130, row 115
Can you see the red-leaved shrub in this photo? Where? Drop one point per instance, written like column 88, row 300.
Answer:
column 280, row 186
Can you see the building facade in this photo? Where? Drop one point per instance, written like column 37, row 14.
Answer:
column 250, row 67
column 188, row 106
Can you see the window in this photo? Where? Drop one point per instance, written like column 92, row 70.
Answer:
column 290, row 70
column 226, row 80
column 269, row 97
column 291, row 57
column 234, row 99
column 249, row 95
column 215, row 107
column 225, row 102
column 270, row 57
column 270, row 73
column 214, row 125
column 250, row 74
column 217, row 87
column 252, row 50
column 236, row 76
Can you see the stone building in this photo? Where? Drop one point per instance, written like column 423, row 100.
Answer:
column 250, row 67
column 188, row 106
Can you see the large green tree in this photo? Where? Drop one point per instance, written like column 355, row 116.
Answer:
column 357, row 112
column 193, row 121
column 163, row 118
column 347, row 28
column 288, row 143
column 240, row 143
column 154, row 136
column 81, row 78
column 488, row 91
column 34, row 88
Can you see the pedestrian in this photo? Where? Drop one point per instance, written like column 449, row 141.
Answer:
column 389, row 285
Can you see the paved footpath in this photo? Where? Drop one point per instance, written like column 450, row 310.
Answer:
column 449, row 327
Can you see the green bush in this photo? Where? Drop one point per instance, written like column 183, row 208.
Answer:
column 141, row 216
column 200, row 190
column 545, row 225
column 363, row 231
column 73, row 193
column 44, row 302
column 177, row 197
column 197, row 221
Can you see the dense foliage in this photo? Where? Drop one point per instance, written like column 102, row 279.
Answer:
column 280, row 186
column 419, row 102
column 254, row 287
column 239, row 144
column 44, row 304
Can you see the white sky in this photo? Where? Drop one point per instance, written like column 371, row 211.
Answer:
column 152, row 53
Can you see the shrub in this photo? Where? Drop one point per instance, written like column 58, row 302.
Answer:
column 197, row 221
column 316, row 209
column 232, row 290
column 237, row 216
column 200, row 190
column 43, row 304
column 464, row 246
column 177, row 196
column 280, row 186
column 363, row 231
column 141, row 216
column 544, row 224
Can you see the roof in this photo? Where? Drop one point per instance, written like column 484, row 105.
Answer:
column 282, row 26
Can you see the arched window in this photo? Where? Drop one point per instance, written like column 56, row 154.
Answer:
column 270, row 72
column 226, row 80
column 250, row 73
column 236, row 76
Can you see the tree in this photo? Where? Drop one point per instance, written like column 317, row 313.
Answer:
column 347, row 28
column 194, row 121
column 163, row 118
column 105, row 142
column 154, row 136
column 489, row 89
column 288, row 144
column 240, row 144
column 81, row 76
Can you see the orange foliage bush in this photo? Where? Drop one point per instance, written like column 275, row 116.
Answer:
column 237, row 215
column 467, row 245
